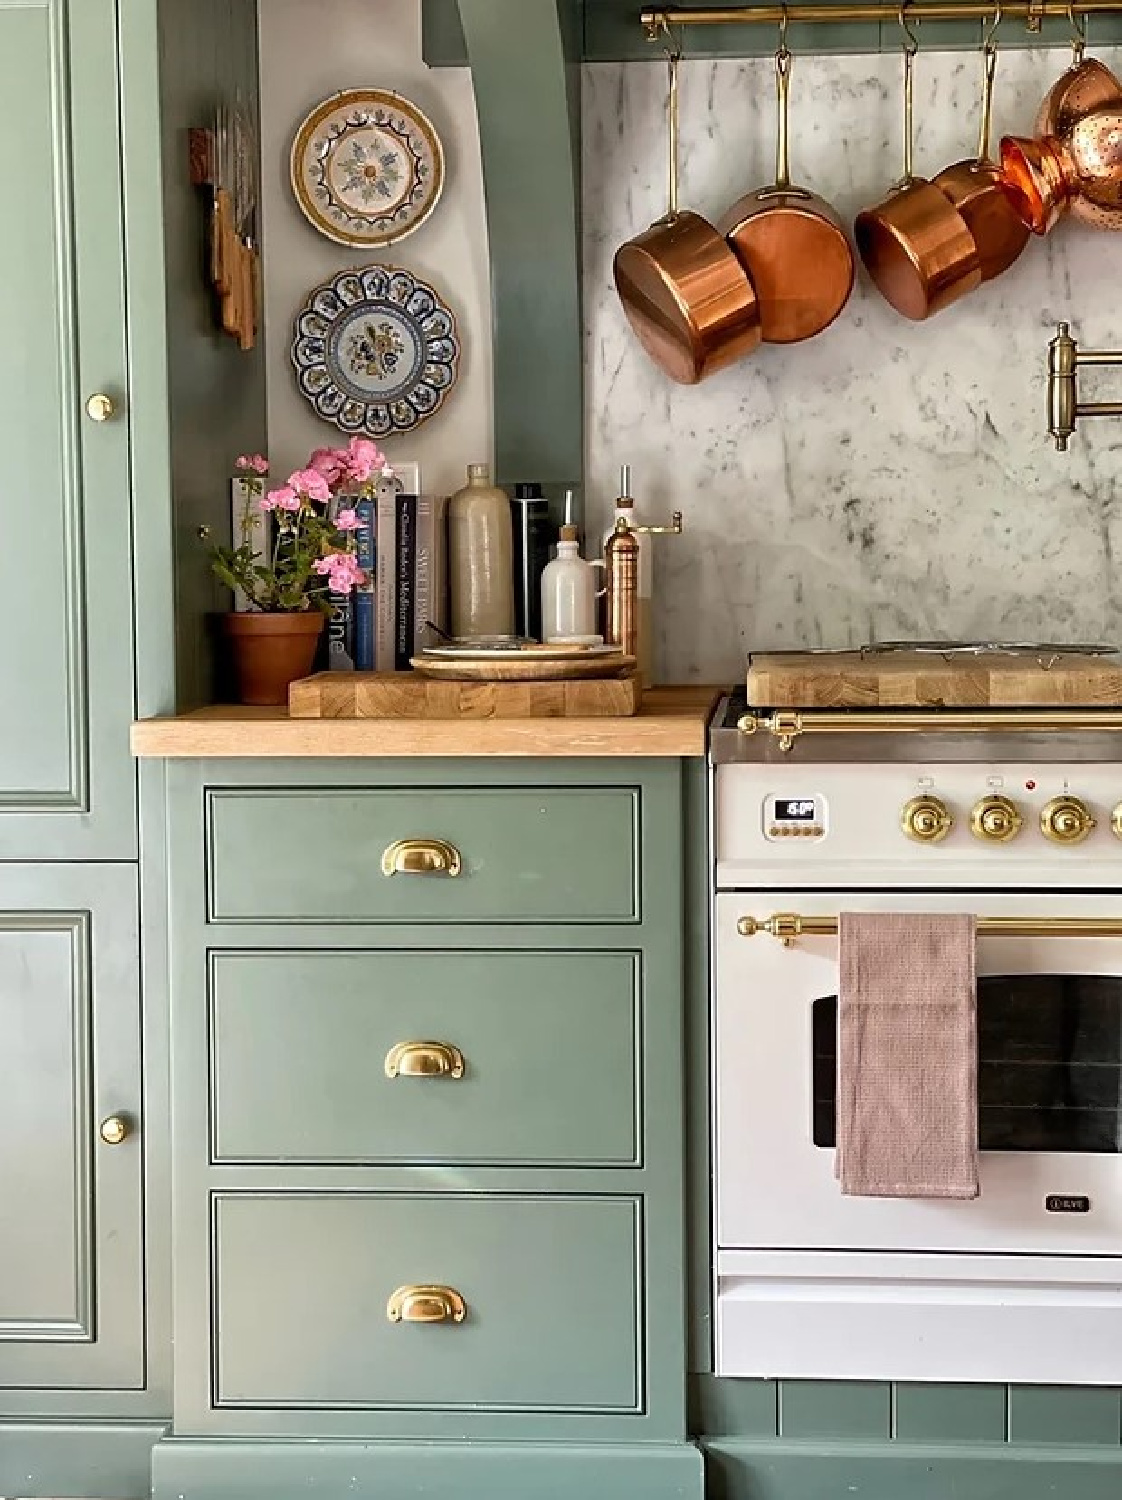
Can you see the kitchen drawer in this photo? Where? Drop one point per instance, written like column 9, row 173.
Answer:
column 550, row 1288
column 548, row 1042
column 291, row 855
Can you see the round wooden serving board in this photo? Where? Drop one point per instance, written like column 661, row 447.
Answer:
column 530, row 668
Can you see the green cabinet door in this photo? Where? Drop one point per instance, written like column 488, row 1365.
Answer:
column 66, row 779
column 71, row 1290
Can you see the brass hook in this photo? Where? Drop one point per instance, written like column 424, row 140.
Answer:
column 990, row 43
column 784, row 51
column 1078, row 34
column 911, row 41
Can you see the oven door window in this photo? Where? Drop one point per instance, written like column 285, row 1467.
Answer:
column 1049, row 1063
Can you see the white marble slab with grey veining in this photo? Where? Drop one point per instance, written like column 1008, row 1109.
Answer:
column 887, row 479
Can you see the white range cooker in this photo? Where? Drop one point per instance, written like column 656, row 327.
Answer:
column 1015, row 816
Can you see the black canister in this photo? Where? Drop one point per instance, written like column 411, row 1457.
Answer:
column 533, row 539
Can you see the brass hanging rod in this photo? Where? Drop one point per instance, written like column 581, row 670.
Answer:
column 788, row 926
column 1032, row 11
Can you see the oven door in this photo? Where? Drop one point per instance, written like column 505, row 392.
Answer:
column 1050, row 1087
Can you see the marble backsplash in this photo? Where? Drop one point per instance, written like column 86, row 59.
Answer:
column 887, row 479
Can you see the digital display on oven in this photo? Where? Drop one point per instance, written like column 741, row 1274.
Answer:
column 795, row 809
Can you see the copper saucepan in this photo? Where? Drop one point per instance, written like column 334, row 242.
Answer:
column 1074, row 162
column 916, row 246
column 978, row 189
column 685, row 294
column 791, row 243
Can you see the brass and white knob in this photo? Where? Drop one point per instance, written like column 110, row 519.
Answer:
column 926, row 819
column 1066, row 820
column 995, row 820
column 1116, row 821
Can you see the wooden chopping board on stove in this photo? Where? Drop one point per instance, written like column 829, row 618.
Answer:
column 905, row 679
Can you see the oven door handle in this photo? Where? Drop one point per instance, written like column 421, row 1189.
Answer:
column 789, row 925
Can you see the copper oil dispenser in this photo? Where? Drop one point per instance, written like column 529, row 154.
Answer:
column 629, row 579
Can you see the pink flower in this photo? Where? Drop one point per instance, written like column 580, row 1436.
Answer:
column 312, row 483
column 347, row 520
column 255, row 463
column 285, row 498
column 330, row 462
column 341, row 570
column 361, row 458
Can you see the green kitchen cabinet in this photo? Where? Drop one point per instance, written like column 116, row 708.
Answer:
column 72, row 1289
column 67, row 788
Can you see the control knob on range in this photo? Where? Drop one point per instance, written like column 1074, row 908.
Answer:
column 995, row 819
column 1066, row 820
column 926, row 819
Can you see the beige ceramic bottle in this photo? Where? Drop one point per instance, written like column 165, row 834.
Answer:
column 479, row 557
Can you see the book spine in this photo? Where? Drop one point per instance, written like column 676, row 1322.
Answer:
column 405, row 613
column 247, row 526
column 385, row 548
column 340, row 634
column 422, row 573
column 365, row 551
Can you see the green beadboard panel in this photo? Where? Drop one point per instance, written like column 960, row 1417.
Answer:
column 106, row 1458
column 699, row 1279
column 186, row 1470
column 1065, row 1414
column 757, row 1471
column 858, row 1410
column 208, row 54
column 317, row 1026
column 527, row 101
column 733, row 1408
column 525, row 855
column 950, row 1413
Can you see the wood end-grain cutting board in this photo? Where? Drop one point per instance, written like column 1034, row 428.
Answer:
column 848, row 679
column 407, row 695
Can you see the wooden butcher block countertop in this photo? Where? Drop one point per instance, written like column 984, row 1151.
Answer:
column 904, row 679
column 673, row 721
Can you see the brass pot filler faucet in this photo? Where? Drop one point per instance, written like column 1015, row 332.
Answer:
column 1064, row 405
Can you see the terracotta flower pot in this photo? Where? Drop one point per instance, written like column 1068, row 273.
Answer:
column 270, row 651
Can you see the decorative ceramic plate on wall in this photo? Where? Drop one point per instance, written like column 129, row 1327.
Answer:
column 375, row 351
column 367, row 167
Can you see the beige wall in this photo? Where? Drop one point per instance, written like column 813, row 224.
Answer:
column 310, row 49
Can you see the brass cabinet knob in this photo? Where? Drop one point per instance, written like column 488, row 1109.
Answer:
column 114, row 1129
column 100, row 407
column 424, row 1060
column 926, row 819
column 1116, row 821
column 422, row 857
column 1066, row 820
column 426, row 1304
column 996, row 820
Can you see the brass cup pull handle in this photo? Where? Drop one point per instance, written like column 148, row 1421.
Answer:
column 422, row 857
column 114, row 1129
column 424, row 1060
column 426, row 1304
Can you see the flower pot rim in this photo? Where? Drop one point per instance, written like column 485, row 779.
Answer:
column 274, row 622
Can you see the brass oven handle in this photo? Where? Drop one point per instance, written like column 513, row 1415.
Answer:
column 424, row 1060
column 789, row 925
column 786, row 725
column 422, row 857
column 426, row 1304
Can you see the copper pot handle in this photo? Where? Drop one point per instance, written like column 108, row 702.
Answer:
column 989, row 69
column 783, row 102
column 673, row 58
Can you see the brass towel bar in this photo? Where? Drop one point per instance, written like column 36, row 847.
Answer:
column 789, row 925
column 1032, row 11
column 787, row 724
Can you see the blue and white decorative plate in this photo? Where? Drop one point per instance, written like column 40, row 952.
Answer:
column 367, row 167
column 376, row 351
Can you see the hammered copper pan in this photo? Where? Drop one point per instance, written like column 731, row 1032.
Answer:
column 791, row 243
column 687, row 297
column 916, row 246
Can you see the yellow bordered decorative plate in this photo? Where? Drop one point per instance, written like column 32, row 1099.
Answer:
column 367, row 167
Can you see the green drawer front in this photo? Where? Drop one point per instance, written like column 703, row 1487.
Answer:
column 549, row 1042
column 551, row 1287
column 526, row 856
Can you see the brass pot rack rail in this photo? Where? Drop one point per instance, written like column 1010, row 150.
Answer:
column 1031, row 11
column 789, row 926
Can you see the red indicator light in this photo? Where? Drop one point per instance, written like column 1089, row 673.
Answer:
column 1030, row 786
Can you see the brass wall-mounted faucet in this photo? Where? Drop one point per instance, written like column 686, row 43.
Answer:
column 1064, row 405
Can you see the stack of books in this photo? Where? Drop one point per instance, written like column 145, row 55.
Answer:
column 401, row 545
